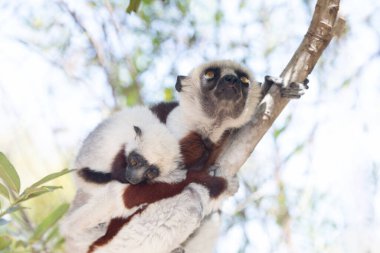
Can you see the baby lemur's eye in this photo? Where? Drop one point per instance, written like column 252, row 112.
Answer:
column 245, row 80
column 133, row 161
column 209, row 74
column 152, row 172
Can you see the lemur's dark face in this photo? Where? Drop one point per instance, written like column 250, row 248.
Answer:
column 224, row 91
column 139, row 170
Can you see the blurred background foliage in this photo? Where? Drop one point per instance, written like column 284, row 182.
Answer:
column 312, row 183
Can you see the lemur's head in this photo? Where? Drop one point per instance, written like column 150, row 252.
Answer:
column 154, row 156
column 218, row 95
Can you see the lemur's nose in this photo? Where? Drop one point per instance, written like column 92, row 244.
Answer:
column 230, row 79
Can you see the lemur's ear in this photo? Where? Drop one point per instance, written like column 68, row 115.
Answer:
column 137, row 131
column 178, row 84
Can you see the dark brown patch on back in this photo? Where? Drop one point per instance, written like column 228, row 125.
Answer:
column 115, row 225
column 163, row 109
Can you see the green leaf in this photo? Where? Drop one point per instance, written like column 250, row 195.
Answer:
column 5, row 241
column 53, row 234
column 133, row 6
column 35, row 192
column 50, row 177
column 49, row 222
column 4, row 191
column 9, row 174
column 58, row 245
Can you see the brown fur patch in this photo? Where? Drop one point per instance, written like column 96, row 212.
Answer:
column 198, row 153
column 163, row 109
column 215, row 150
column 193, row 150
column 136, row 195
column 115, row 225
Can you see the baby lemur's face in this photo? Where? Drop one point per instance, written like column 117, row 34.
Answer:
column 139, row 170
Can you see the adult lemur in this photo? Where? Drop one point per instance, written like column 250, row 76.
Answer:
column 214, row 98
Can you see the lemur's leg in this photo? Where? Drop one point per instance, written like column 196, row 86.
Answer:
column 95, row 212
column 204, row 239
column 163, row 225
column 293, row 90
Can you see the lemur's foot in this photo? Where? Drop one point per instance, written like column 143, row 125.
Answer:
column 178, row 250
column 293, row 90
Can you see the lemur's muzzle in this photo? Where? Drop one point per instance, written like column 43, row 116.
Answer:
column 134, row 175
column 229, row 88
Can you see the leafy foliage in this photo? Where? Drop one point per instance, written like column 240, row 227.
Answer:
column 17, row 231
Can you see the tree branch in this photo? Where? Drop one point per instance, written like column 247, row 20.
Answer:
column 241, row 144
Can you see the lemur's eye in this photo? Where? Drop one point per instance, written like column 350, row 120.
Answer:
column 152, row 172
column 209, row 74
column 133, row 162
column 244, row 80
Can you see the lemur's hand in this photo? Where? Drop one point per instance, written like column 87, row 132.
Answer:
column 293, row 90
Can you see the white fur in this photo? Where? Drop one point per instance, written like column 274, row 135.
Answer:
column 96, row 203
column 157, row 145
column 204, row 238
column 168, row 223
column 164, row 225
column 81, row 226
column 189, row 116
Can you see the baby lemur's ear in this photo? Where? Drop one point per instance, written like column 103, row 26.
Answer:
column 137, row 131
column 178, row 84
